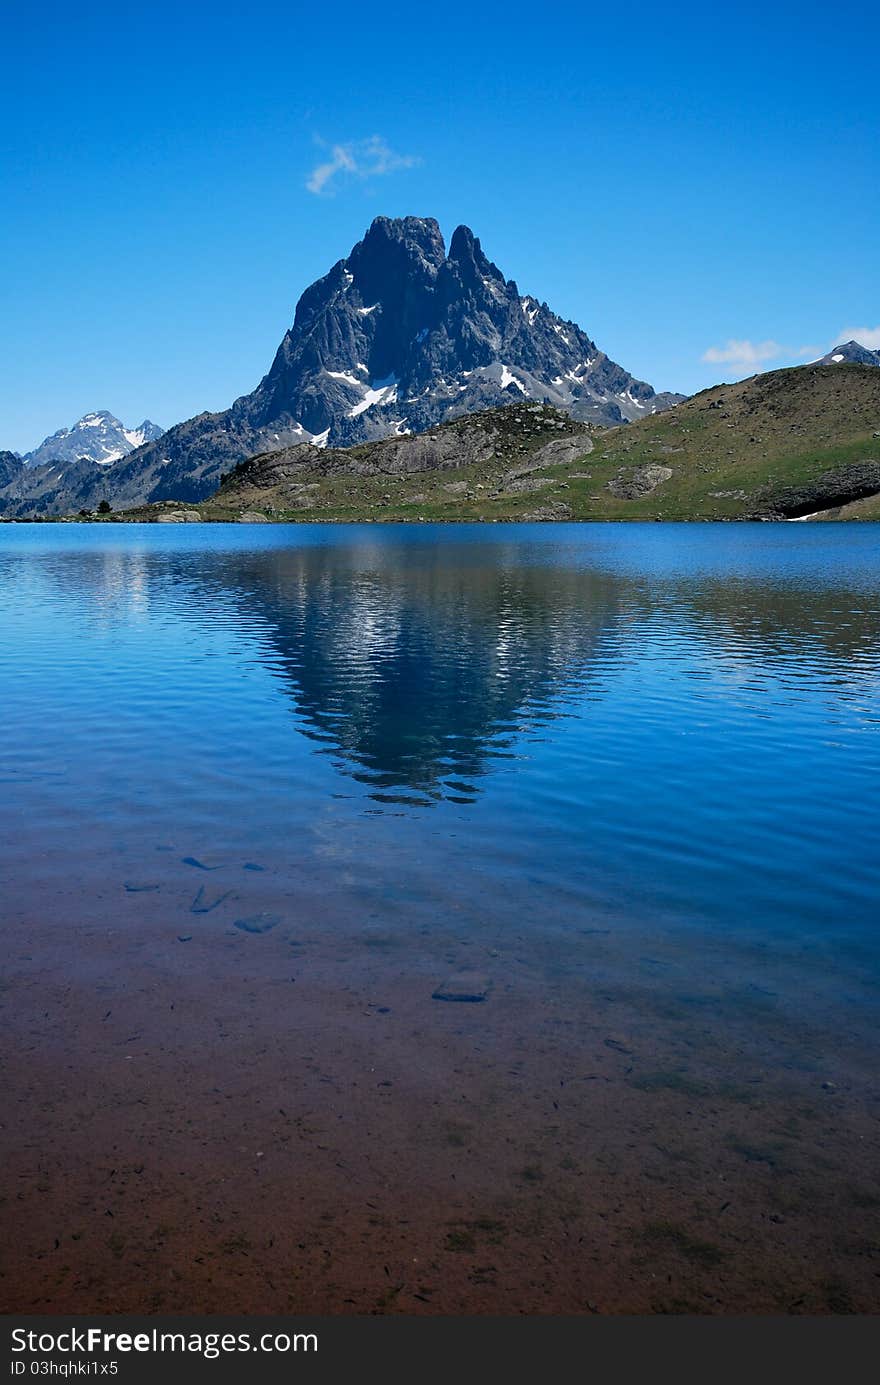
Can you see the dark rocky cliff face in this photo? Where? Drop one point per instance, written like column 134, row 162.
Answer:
column 397, row 338
column 401, row 336
column 11, row 466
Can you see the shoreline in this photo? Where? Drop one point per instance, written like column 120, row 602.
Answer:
column 820, row 517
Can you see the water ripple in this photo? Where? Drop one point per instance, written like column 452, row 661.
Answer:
column 682, row 720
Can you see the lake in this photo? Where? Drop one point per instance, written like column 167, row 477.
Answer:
column 269, row 794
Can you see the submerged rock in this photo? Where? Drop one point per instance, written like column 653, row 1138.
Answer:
column 202, row 905
column 464, row 986
column 196, row 863
column 258, row 923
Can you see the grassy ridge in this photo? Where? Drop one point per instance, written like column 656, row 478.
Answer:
column 721, row 455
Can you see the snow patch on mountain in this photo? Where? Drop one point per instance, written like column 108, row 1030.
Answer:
column 97, row 437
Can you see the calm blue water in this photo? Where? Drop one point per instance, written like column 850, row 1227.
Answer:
column 679, row 721
column 627, row 773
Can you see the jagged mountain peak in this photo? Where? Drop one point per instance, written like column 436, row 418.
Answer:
column 98, row 437
column 400, row 309
column 421, row 233
column 398, row 336
column 466, row 252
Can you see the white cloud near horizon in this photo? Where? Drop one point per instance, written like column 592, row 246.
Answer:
column 865, row 336
column 360, row 158
column 744, row 352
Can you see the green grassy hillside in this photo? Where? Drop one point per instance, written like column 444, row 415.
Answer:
column 786, row 442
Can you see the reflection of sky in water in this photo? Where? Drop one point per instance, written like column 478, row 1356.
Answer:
column 676, row 720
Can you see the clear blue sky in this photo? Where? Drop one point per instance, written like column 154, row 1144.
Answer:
column 671, row 178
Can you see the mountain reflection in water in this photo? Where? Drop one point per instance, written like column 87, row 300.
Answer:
column 418, row 666
column 419, row 675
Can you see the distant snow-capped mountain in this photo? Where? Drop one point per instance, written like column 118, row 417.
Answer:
column 99, row 437
column 851, row 351
column 401, row 335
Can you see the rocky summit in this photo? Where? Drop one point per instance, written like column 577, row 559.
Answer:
column 398, row 337
column 403, row 335
column 851, row 352
column 98, row 437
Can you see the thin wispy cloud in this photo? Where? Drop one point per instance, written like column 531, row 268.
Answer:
column 754, row 353
column 746, row 353
column 743, row 352
column 360, row 159
column 865, row 336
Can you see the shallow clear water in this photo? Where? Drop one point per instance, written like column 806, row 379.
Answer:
column 677, row 720
column 545, row 735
